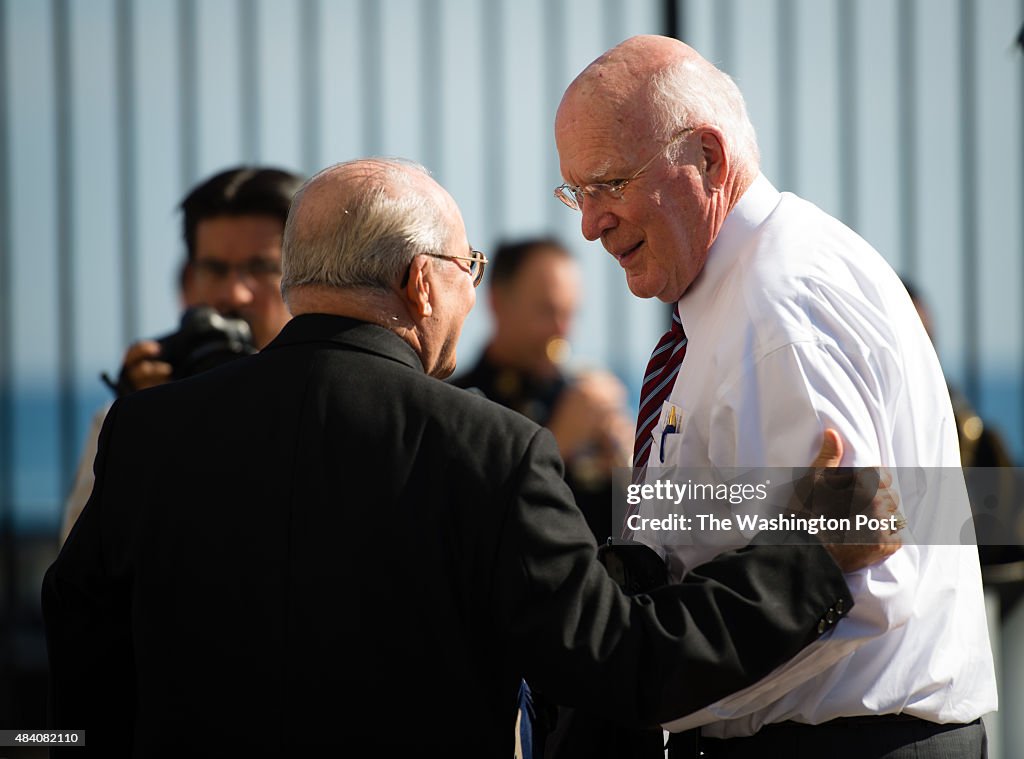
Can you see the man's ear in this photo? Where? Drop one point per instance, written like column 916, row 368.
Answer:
column 187, row 285
column 417, row 288
column 716, row 159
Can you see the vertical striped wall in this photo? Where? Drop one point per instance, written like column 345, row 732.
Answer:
column 902, row 117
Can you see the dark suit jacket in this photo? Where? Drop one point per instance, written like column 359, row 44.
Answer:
column 536, row 398
column 320, row 545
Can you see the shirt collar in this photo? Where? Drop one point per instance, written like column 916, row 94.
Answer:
column 756, row 205
column 352, row 334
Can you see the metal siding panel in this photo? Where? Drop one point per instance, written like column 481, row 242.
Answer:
column 127, row 210
column 66, row 247
column 188, row 92
column 310, row 84
column 907, row 169
column 969, row 198
column 848, row 108
column 8, row 564
column 249, row 80
column 373, row 119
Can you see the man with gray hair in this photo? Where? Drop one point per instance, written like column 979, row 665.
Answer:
column 785, row 323
column 376, row 559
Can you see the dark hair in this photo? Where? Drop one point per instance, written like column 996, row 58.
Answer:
column 912, row 291
column 511, row 255
column 242, row 191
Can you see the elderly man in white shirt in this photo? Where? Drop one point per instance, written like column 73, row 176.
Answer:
column 792, row 324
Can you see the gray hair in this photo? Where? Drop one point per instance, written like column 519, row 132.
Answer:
column 369, row 236
column 693, row 92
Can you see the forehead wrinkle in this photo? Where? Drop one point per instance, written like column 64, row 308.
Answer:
column 599, row 172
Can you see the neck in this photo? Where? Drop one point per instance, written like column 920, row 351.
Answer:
column 377, row 306
column 728, row 196
column 736, row 186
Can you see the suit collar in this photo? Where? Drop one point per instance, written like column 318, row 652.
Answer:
column 349, row 333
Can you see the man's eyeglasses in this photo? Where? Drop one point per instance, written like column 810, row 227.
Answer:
column 477, row 262
column 255, row 269
column 573, row 195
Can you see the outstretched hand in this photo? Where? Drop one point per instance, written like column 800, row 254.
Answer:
column 835, row 492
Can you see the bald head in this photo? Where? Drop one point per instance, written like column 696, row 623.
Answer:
column 359, row 224
column 656, row 149
column 656, row 86
column 619, row 81
column 378, row 240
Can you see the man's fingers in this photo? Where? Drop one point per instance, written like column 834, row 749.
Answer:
column 601, row 391
column 850, row 558
column 141, row 367
column 808, row 488
column 144, row 374
column 863, row 501
column 831, row 451
column 144, row 350
column 887, row 500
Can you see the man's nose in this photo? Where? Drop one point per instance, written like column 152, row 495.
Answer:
column 236, row 290
column 597, row 218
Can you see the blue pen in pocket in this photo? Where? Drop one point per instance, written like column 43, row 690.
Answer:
column 668, row 429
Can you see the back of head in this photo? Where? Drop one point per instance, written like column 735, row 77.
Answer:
column 692, row 91
column 359, row 224
column 241, row 191
column 922, row 307
column 511, row 255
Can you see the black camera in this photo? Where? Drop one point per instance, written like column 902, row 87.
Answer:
column 204, row 340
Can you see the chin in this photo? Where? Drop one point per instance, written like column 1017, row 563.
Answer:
column 639, row 289
column 662, row 291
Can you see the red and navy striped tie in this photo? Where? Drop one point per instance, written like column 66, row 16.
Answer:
column 658, row 381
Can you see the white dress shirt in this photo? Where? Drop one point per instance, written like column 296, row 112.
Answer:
column 796, row 324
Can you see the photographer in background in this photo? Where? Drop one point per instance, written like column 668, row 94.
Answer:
column 232, row 225
column 534, row 296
